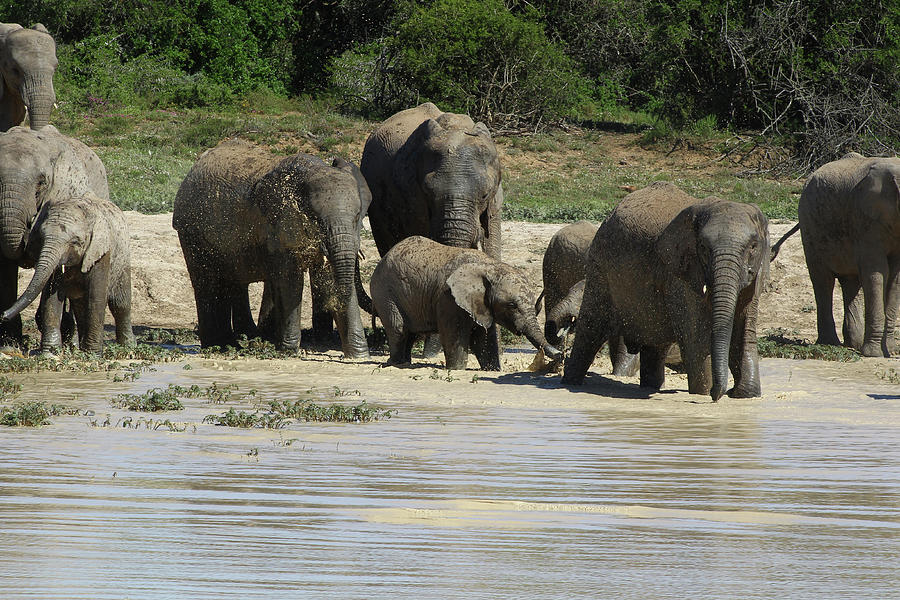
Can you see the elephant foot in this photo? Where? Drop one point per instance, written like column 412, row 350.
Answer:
column 873, row 349
column 828, row 340
column 745, row 391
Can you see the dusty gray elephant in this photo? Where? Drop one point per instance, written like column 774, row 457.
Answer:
column 35, row 168
column 243, row 214
column 849, row 215
column 433, row 174
column 422, row 287
column 563, row 270
column 80, row 247
column 27, row 64
column 667, row 268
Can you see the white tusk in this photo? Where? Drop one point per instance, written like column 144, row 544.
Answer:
column 562, row 332
column 63, row 269
column 704, row 289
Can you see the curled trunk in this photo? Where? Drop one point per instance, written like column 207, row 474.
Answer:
column 726, row 269
column 43, row 270
column 532, row 331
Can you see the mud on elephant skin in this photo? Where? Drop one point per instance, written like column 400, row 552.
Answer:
column 849, row 220
column 563, row 270
column 436, row 175
column 80, row 249
column 667, row 268
column 27, row 64
column 422, row 287
column 36, row 167
column 243, row 215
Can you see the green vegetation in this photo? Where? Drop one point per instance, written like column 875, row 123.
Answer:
column 9, row 388
column 153, row 400
column 32, row 414
column 776, row 344
column 279, row 413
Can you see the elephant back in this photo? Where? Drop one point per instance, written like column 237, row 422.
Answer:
column 212, row 199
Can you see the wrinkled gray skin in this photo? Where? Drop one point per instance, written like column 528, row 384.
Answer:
column 35, row 168
column 80, row 247
column 433, row 174
column 243, row 214
column 422, row 287
column 667, row 268
column 849, row 215
column 27, row 64
column 563, row 271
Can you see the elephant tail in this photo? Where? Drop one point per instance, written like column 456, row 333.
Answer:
column 778, row 244
column 537, row 304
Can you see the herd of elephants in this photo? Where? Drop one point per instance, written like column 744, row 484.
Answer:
column 664, row 268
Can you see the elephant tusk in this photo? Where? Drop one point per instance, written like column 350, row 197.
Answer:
column 704, row 290
column 362, row 255
column 562, row 332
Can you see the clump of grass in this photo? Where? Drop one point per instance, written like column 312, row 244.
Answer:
column 32, row 414
column 280, row 413
column 890, row 375
column 9, row 388
column 246, row 420
column 775, row 344
column 247, row 348
column 153, row 400
column 129, row 422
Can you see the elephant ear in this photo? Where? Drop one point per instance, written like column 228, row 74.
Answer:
column 469, row 285
column 99, row 244
column 40, row 27
column 365, row 196
column 482, row 129
column 676, row 248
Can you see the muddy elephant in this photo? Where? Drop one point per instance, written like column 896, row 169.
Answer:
column 35, row 168
column 243, row 215
column 422, row 287
column 27, row 64
column 80, row 249
column 667, row 268
column 563, row 269
column 849, row 220
column 434, row 174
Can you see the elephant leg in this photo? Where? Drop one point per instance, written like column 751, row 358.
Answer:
column 891, row 306
column 624, row 363
column 96, row 291
column 10, row 331
column 287, row 296
column 854, row 326
column 210, row 296
column 592, row 332
column 874, row 277
column 743, row 355
column 49, row 315
column 80, row 311
column 321, row 283
column 67, row 327
column 241, row 315
column 120, row 306
column 823, row 288
column 484, row 346
column 432, row 346
column 400, row 340
column 455, row 330
column 653, row 366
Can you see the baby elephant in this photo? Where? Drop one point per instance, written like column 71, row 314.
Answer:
column 80, row 250
column 421, row 286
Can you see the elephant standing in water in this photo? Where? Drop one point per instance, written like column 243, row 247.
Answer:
column 849, row 215
column 35, row 168
column 667, row 268
column 27, row 64
column 563, row 271
column 89, row 236
column 422, row 287
column 243, row 215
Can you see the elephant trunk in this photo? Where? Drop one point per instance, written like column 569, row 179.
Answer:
column 39, row 97
column 458, row 224
column 559, row 320
column 725, row 282
column 532, row 331
column 342, row 246
column 47, row 262
column 14, row 218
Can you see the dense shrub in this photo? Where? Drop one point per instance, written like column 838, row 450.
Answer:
column 468, row 56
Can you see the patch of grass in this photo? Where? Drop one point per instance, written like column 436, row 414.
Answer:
column 153, row 400
column 775, row 344
column 247, row 420
column 9, row 388
column 280, row 413
column 143, row 179
column 32, row 414
column 891, row 375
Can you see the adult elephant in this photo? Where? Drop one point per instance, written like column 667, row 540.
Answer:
column 36, row 167
column 849, row 219
column 667, row 268
column 433, row 174
column 243, row 214
column 27, row 64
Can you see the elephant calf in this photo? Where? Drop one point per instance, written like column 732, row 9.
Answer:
column 421, row 286
column 667, row 268
column 563, row 271
column 80, row 248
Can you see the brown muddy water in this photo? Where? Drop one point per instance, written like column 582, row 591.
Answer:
column 506, row 487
